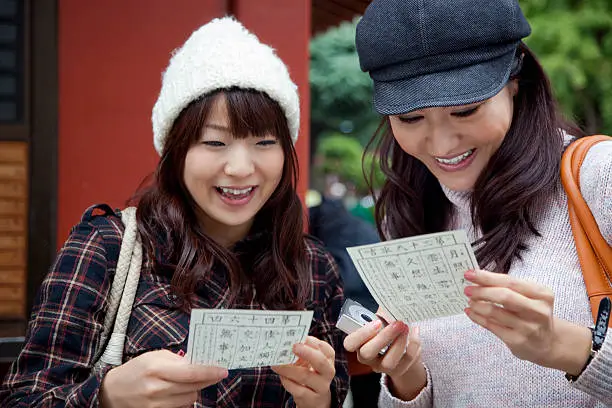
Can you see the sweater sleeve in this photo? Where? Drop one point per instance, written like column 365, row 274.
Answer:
column 423, row 400
column 596, row 187
column 595, row 380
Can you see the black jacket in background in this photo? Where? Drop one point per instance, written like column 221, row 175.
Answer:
column 338, row 229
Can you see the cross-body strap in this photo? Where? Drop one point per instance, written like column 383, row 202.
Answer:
column 594, row 253
column 122, row 293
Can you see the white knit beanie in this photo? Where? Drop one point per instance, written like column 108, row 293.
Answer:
column 222, row 54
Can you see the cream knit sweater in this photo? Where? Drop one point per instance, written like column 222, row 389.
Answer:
column 470, row 367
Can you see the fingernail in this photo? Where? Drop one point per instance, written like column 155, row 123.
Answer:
column 470, row 274
column 298, row 347
column 400, row 326
column 468, row 290
column 181, row 353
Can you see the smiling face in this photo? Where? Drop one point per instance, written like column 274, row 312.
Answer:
column 456, row 143
column 231, row 178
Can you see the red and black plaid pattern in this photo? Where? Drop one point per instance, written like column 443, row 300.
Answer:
column 54, row 369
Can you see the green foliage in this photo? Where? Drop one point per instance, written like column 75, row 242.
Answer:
column 340, row 93
column 342, row 155
column 573, row 40
column 378, row 177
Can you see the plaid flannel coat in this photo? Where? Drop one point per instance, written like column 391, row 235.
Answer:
column 54, row 369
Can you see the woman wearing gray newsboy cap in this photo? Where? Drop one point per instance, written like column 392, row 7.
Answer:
column 471, row 139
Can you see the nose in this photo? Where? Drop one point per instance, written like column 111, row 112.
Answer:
column 239, row 162
column 443, row 140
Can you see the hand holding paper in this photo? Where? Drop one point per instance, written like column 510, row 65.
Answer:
column 245, row 338
column 417, row 278
column 308, row 379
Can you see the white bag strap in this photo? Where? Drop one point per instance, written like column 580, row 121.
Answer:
column 122, row 293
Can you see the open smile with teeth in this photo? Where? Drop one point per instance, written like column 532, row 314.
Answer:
column 456, row 159
column 235, row 192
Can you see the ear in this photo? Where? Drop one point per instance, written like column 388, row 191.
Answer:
column 513, row 87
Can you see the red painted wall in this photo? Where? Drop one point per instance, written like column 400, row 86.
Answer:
column 111, row 56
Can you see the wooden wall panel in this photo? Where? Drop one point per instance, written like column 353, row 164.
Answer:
column 13, row 228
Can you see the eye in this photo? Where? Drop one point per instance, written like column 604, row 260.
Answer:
column 466, row 113
column 267, row 142
column 410, row 119
column 213, row 143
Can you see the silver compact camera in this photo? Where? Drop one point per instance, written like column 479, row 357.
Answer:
column 353, row 316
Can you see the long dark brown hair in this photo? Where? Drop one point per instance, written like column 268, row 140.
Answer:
column 167, row 214
column 515, row 182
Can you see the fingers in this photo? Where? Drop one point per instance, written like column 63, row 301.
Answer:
column 173, row 368
column 355, row 340
column 401, row 355
column 509, row 327
column 298, row 391
column 526, row 288
column 535, row 310
column 504, row 333
column 413, row 351
column 318, row 370
column 389, row 335
column 161, row 377
column 191, row 373
column 317, row 359
column 510, row 300
column 324, row 346
column 304, row 376
column 384, row 315
column 526, row 299
column 396, row 351
column 493, row 312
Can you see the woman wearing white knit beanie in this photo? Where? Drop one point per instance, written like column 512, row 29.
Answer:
column 471, row 139
column 221, row 226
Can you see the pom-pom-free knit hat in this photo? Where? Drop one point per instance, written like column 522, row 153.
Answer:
column 222, row 54
column 422, row 54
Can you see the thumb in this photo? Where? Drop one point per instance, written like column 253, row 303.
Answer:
column 184, row 372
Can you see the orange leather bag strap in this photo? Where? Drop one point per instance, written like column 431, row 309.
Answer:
column 594, row 253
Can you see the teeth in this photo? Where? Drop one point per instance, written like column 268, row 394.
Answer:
column 457, row 159
column 236, row 191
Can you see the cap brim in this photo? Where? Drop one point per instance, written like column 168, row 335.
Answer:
column 459, row 86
